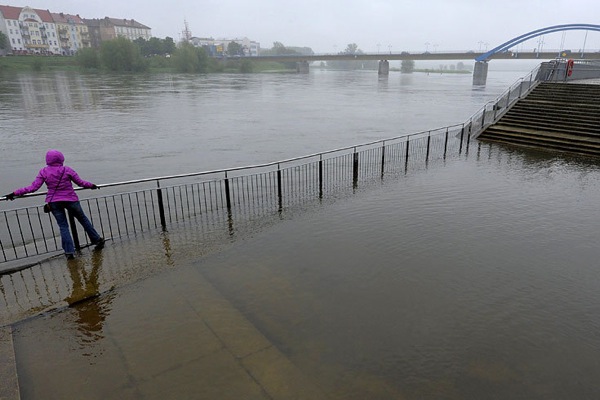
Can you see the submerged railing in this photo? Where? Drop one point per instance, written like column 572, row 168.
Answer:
column 229, row 194
column 247, row 192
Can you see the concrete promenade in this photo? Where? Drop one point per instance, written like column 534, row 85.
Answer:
column 168, row 334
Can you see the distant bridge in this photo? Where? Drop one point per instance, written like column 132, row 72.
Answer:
column 502, row 51
column 505, row 55
column 538, row 32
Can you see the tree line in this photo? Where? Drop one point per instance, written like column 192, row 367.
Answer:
column 140, row 55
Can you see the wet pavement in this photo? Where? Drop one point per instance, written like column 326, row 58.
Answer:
column 169, row 334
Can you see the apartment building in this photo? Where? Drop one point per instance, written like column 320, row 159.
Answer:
column 29, row 30
column 72, row 33
column 107, row 28
column 218, row 47
column 35, row 31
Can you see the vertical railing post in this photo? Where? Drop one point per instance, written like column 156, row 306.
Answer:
column 468, row 139
column 496, row 109
column 382, row 158
column 446, row 144
column 355, row 169
column 520, row 88
column 227, row 193
column 279, row 188
column 406, row 154
column 161, row 206
column 428, row 142
column 462, row 134
column 74, row 231
column 483, row 117
column 320, row 176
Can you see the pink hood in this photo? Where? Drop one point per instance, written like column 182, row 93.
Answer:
column 54, row 158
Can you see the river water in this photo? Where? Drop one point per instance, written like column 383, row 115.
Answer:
column 475, row 278
column 116, row 128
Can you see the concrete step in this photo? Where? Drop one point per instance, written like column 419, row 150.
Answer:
column 551, row 128
column 544, row 146
column 554, row 116
column 543, row 136
column 560, row 147
column 571, row 118
column 544, row 142
column 552, row 109
column 585, row 129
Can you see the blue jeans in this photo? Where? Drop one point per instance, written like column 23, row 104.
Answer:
column 58, row 209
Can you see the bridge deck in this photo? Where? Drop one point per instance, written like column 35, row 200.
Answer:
column 424, row 56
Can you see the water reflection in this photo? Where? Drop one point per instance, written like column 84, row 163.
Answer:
column 90, row 308
column 57, row 92
column 166, row 241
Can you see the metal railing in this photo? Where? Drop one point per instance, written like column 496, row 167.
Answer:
column 229, row 194
column 245, row 192
column 493, row 110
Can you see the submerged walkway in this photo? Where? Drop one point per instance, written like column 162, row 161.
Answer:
column 169, row 335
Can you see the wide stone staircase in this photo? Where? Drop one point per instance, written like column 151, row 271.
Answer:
column 563, row 117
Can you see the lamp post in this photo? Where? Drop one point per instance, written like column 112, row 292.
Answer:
column 390, row 48
column 435, row 46
column 378, row 46
column 427, row 47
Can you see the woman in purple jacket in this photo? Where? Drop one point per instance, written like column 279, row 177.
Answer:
column 61, row 197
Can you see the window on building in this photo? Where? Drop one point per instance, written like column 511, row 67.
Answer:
column 13, row 40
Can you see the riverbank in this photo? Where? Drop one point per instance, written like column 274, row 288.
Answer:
column 37, row 63
column 156, row 65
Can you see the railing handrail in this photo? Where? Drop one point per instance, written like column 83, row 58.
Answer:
column 288, row 160
column 254, row 166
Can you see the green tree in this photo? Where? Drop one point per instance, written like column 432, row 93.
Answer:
column 190, row 59
column 88, row 58
column 169, row 45
column 122, row 55
column 143, row 45
column 235, row 49
column 352, row 48
column 156, row 46
column 407, row 66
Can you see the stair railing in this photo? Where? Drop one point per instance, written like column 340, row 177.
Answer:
column 493, row 110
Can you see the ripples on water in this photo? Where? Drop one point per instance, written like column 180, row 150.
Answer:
column 473, row 279
column 115, row 128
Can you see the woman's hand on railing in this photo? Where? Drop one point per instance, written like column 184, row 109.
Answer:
column 10, row 196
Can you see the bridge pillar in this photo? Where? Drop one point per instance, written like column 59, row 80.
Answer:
column 384, row 67
column 480, row 73
column 302, row 67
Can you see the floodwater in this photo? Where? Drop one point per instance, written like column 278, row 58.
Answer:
column 120, row 128
column 473, row 278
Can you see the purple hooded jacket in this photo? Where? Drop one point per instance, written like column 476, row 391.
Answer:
column 59, row 189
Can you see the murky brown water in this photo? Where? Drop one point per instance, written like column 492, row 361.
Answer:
column 473, row 279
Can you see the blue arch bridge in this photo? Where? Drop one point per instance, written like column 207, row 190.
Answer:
column 503, row 51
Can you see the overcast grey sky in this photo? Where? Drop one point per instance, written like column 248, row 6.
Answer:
column 329, row 25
